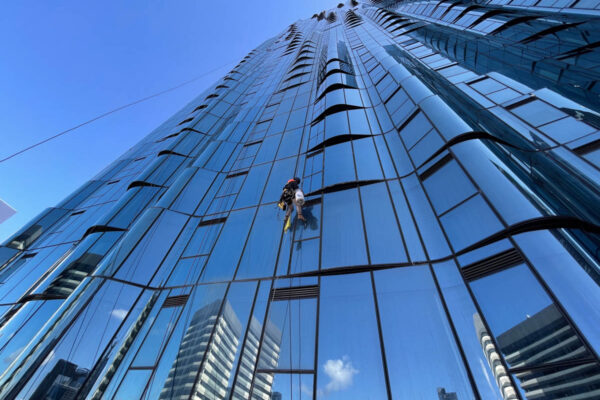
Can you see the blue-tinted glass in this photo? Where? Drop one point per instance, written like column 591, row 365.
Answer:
column 343, row 237
column 428, row 225
column 537, row 113
column 529, row 328
column 283, row 386
column 467, row 323
column 268, row 149
column 282, row 171
column 448, row 186
column 253, row 187
column 421, row 353
column 347, row 367
column 336, row 124
column 470, row 222
column 133, row 385
column 290, row 333
column 289, row 144
column 224, row 258
column 83, row 343
column 339, row 164
column 187, row 271
column 157, row 337
column 142, row 263
column 385, row 241
column 367, row 162
column 260, row 253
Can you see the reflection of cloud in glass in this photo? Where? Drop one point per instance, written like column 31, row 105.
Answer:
column 119, row 313
column 340, row 373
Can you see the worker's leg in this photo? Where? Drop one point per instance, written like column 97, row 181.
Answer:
column 288, row 210
column 299, row 211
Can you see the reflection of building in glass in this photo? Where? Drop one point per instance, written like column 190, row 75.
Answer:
column 62, row 382
column 546, row 337
column 443, row 395
column 211, row 381
column 276, row 396
column 261, row 389
column 493, row 358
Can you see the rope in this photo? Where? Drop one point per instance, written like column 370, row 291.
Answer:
column 114, row 111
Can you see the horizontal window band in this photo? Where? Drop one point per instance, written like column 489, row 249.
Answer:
column 235, row 174
column 554, row 365
column 142, row 184
column 587, row 148
column 167, row 137
column 170, row 153
column 185, row 121
column 252, row 143
column 28, row 255
column 77, row 213
column 113, row 182
column 102, row 228
column 343, row 186
column 435, row 167
column 284, row 371
column 192, row 130
column 331, row 88
column 294, row 293
column 336, row 140
column 41, row 296
column 212, row 221
column 493, row 264
column 337, row 108
column 175, row 301
column 472, row 136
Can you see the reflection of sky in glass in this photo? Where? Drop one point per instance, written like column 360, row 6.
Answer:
column 509, row 297
column 349, row 357
column 420, row 350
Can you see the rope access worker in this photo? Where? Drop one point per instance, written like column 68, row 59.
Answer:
column 292, row 194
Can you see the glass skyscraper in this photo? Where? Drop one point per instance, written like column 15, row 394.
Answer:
column 449, row 152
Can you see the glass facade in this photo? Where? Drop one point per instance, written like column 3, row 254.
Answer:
column 450, row 157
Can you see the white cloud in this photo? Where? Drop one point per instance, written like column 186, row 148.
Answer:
column 119, row 313
column 340, row 373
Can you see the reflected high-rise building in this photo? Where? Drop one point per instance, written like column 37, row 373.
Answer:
column 546, row 338
column 62, row 382
column 211, row 337
column 449, row 154
column 494, row 361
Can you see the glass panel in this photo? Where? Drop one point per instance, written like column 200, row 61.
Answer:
column 226, row 254
column 347, row 368
column 289, row 341
column 487, row 370
column 203, row 240
column 421, row 352
column 222, row 353
column 367, row 162
column 133, row 385
column 429, row 227
column 448, row 186
column 569, row 280
column 385, row 241
column 470, row 222
column 157, row 337
column 79, row 348
column 150, row 251
column 283, row 387
column 180, row 362
column 343, row 234
column 249, row 355
column 339, row 164
column 261, row 249
column 282, row 171
column 529, row 328
column 253, row 187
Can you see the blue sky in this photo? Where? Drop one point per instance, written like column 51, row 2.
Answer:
column 65, row 62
